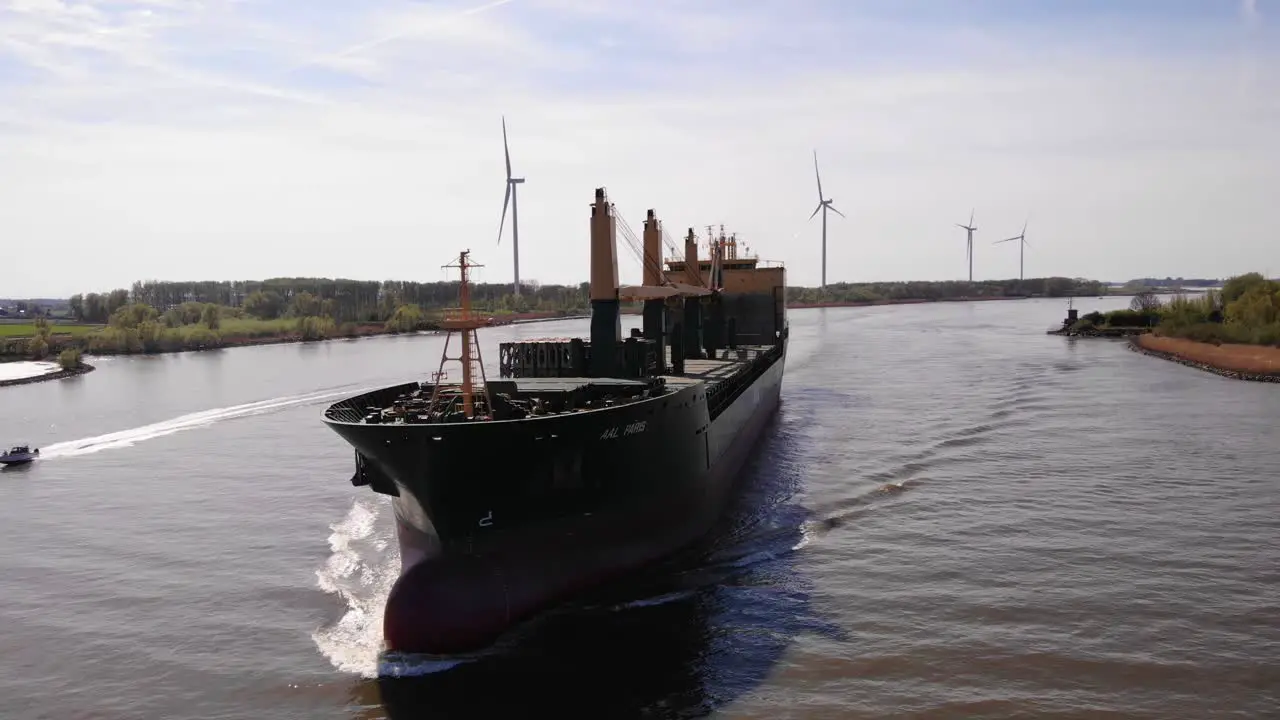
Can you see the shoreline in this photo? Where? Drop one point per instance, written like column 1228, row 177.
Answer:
column 901, row 301
column 366, row 330
column 83, row 369
column 1212, row 358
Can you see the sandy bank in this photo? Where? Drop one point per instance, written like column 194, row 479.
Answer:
column 26, row 370
column 10, row 377
column 1244, row 362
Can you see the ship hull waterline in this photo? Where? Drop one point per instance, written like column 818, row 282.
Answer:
column 451, row 601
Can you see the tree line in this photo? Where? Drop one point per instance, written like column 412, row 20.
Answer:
column 343, row 301
column 361, row 301
column 946, row 290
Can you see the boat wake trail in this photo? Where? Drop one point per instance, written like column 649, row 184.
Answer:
column 126, row 438
column 361, row 571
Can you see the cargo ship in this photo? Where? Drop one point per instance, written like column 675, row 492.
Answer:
column 587, row 458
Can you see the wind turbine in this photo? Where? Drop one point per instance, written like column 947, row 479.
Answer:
column 510, row 198
column 824, row 205
column 1022, row 245
column 969, row 242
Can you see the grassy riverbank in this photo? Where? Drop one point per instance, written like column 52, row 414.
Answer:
column 26, row 330
column 139, row 329
column 1235, row 332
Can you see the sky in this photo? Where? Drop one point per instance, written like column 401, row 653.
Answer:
column 246, row 139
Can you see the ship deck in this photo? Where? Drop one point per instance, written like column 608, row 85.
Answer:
column 712, row 371
column 411, row 403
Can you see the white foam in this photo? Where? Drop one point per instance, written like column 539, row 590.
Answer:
column 807, row 536
column 126, row 438
column 361, row 570
column 25, row 369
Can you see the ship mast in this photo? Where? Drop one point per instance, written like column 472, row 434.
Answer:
column 462, row 321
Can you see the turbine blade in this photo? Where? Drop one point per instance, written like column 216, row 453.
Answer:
column 1024, row 227
column 971, row 218
column 834, row 210
column 962, row 227
column 815, row 211
column 1024, row 242
column 817, row 175
column 506, row 200
column 505, row 150
column 1016, row 237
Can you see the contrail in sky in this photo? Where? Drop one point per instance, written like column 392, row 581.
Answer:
column 351, row 50
column 379, row 41
column 1249, row 10
column 1251, row 16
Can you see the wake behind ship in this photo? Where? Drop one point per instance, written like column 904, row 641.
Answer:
column 587, row 459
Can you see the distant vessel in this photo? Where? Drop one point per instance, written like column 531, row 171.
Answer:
column 587, row 459
column 19, row 455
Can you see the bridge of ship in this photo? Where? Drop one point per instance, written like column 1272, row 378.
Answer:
column 704, row 319
column 553, row 357
column 544, row 389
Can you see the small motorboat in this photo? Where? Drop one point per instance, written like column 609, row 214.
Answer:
column 19, row 455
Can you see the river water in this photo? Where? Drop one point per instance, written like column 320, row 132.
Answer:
column 952, row 516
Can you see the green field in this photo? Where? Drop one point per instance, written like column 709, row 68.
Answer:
column 252, row 327
column 27, row 329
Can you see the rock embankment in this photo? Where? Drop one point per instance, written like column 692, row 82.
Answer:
column 1101, row 332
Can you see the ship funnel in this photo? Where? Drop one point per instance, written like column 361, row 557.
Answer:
column 654, row 325
column 606, row 320
column 652, row 250
column 691, row 270
column 692, row 325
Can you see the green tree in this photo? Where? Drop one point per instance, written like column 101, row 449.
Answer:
column 132, row 315
column 1237, row 286
column 1258, row 306
column 117, row 299
column 210, row 317
column 95, row 308
column 264, row 305
column 304, row 304
column 315, row 328
column 406, row 318
column 69, row 359
column 37, row 347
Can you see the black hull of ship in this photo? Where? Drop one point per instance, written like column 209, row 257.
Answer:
column 497, row 521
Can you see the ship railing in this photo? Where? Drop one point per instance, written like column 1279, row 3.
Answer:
column 635, row 358
column 723, row 394
column 456, row 315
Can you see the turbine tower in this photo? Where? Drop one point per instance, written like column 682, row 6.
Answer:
column 969, row 242
column 510, row 199
column 824, row 205
column 1022, row 246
